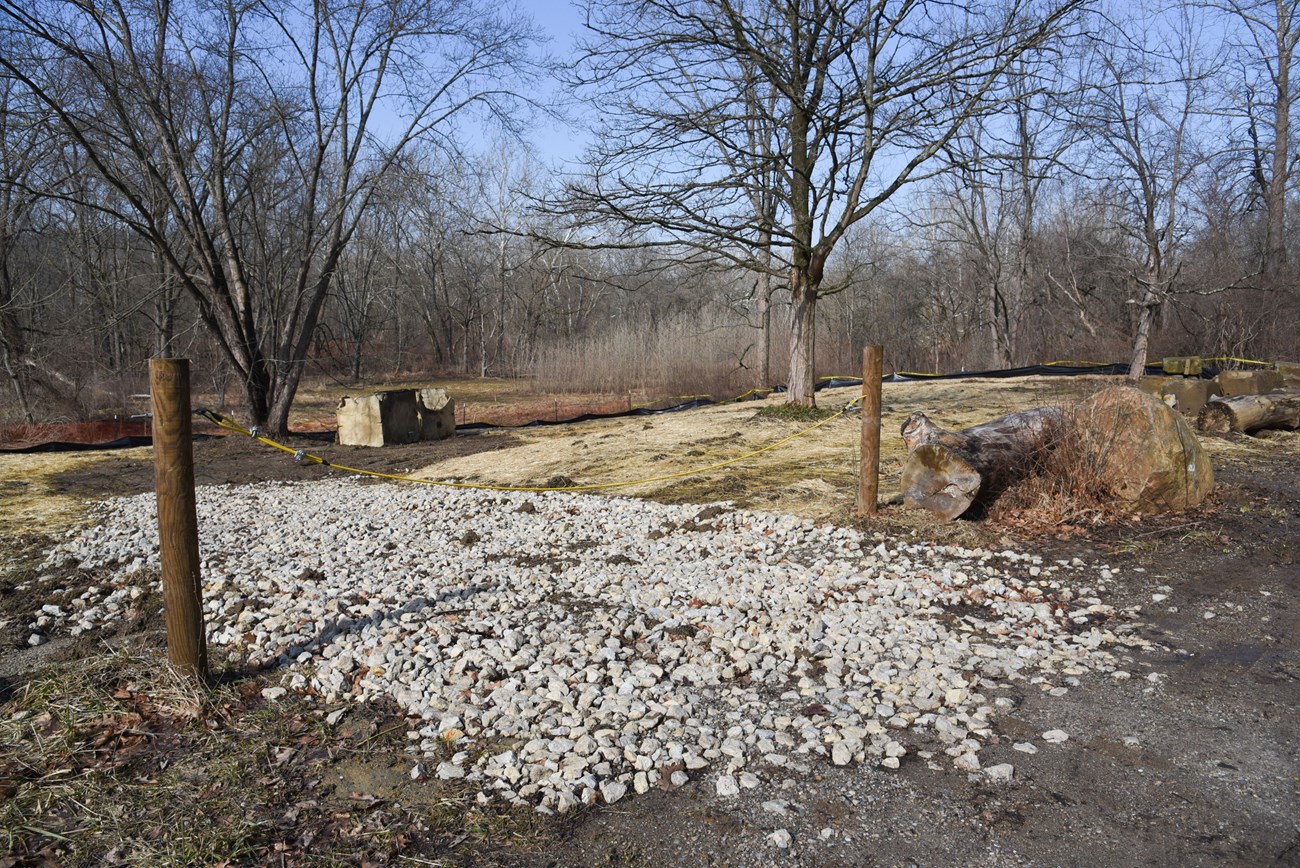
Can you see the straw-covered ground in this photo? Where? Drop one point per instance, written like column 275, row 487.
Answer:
column 1190, row 755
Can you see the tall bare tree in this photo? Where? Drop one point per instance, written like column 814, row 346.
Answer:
column 24, row 151
column 1146, row 114
column 865, row 92
column 247, row 139
column 1264, row 35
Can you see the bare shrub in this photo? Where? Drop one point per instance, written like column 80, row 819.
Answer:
column 686, row 355
column 1063, row 487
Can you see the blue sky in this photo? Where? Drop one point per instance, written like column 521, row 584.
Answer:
column 562, row 22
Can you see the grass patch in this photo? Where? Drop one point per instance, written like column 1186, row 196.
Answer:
column 793, row 413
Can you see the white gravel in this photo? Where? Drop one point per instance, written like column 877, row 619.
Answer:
column 567, row 649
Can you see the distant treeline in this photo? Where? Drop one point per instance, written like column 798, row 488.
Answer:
column 289, row 190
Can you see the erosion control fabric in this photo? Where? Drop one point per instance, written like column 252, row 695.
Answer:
column 1047, row 370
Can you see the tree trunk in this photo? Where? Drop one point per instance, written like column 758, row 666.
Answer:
column 1275, row 193
column 257, row 394
column 281, row 400
column 803, row 372
column 1142, row 339
column 947, row 472
column 765, row 327
column 1245, row 413
column 17, row 380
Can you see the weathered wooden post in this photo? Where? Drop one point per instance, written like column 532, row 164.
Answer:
column 178, row 526
column 869, row 472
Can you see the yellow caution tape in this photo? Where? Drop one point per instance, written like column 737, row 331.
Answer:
column 1238, row 361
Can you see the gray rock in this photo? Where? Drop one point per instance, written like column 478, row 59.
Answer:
column 1000, row 773
column 727, row 787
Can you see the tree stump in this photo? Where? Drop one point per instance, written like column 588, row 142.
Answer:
column 1244, row 413
column 947, row 472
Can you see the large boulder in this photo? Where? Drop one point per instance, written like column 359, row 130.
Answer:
column 1144, row 453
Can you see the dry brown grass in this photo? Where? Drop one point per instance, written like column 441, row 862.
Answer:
column 813, row 476
column 31, row 503
column 1063, row 487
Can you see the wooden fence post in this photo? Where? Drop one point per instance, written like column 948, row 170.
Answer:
column 869, row 469
column 178, row 526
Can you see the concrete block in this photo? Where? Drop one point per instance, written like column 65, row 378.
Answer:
column 437, row 413
column 1184, row 366
column 1290, row 373
column 379, row 419
column 1234, row 383
column 1153, row 385
column 1189, row 394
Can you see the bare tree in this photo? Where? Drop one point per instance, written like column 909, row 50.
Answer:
column 24, row 151
column 247, row 139
column 1145, row 112
column 1003, row 165
column 1264, row 42
column 865, row 93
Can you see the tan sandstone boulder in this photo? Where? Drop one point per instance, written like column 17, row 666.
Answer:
column 1144, row 452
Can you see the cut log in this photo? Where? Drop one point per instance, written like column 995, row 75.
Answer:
column 947, row 472
column 1244, row 413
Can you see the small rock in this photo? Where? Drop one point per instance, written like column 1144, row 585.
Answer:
column 273, row 693
column 1000, row 773
column 775, row 806
column 781, row 838
column 612, row 791
column 449, row 771
column 727, row 787
column 566, row 802
column 1024, row 747
column 1056, row 736
column 679, row 778
column 417, row 772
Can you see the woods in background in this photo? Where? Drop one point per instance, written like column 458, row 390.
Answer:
column 344, row 190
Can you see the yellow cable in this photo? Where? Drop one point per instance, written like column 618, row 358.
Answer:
column 301, row 455
column 1077, row 364
column 1237, row 360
